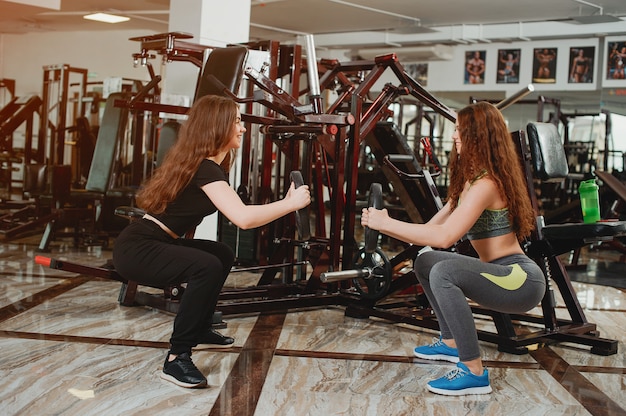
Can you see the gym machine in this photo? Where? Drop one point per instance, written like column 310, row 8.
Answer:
column 362, row 280
column 539, row 160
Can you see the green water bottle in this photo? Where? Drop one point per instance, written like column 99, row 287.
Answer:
column 589, row 201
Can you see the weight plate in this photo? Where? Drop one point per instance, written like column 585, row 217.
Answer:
column 377, row 284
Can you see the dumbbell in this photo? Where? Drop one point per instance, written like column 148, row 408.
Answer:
column 372, row 271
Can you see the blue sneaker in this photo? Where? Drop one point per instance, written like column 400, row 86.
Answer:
column 437, row 351
column 461, row 381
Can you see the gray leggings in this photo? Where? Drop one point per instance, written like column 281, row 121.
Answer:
column 449, row 278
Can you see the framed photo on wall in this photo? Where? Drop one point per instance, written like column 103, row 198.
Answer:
column 508, row 66
column 581, row 64
column 475, row 67
column 544, row 65
column 616, row 60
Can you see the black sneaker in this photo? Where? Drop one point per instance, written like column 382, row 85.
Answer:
column 183, row 372
column 211, row 336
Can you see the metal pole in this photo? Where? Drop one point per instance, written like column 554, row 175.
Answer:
column 515, row 97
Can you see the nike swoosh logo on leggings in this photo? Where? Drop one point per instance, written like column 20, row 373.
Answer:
column 511, row 281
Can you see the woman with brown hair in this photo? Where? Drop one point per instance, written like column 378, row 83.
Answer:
column 488, row 204
column 191, row 183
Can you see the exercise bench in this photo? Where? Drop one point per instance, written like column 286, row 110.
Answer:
column 543, row 157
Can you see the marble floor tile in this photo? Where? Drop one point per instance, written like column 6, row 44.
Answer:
column 67, row 347
column 61, row 378
column 297, row 386
column 13, row 288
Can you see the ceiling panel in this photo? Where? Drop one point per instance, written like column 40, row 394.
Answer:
column 278, row 18
column 283, row 19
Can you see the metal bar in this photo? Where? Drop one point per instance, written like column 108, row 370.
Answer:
column 515, row 97
column 338, row 276
column 267, row 266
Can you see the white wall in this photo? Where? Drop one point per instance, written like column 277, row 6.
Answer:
column 448, row 75
column 109, row 53
column 104, row 54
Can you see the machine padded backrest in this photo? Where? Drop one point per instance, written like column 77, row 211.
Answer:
column 548, row 154
column 167, row 138
column 35, row 179
column 111, row 129
column 227, row 66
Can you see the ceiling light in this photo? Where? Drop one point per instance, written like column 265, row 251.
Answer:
column 106, row 18
column 411, row 53
column 596, row 18
column 412, row 29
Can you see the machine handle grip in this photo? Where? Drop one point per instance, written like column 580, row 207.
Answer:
column 44, row 261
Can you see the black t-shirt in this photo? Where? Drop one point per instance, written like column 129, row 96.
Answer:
column 192, row 204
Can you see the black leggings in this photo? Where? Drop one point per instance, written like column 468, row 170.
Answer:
column 146, row 254
column 512, row 284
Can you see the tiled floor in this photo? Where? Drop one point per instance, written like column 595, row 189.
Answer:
column 69, row 348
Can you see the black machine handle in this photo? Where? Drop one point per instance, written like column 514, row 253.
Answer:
column 389, row 161
column 392, row 159
column 302, row 215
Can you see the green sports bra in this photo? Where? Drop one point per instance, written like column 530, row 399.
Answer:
column 491, row 223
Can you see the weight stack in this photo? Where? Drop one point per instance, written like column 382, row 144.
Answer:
column 242, row 242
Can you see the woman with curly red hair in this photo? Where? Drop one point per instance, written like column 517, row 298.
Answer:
column 487, row 203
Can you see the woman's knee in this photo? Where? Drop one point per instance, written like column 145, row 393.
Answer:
column 444, row 274
column 213, row 263
column 228, row 257
column 425, row 262
column 225, row 255
column 422, row 264
column 213, row 255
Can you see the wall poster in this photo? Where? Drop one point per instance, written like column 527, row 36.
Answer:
column 508, row 66
column 475, row 67
column 419, row 72
column 544, row 65
column 616, row 60
column 581, row 64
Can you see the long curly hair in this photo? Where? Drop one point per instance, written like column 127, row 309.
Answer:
column 487, row 146
column 206, row 132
